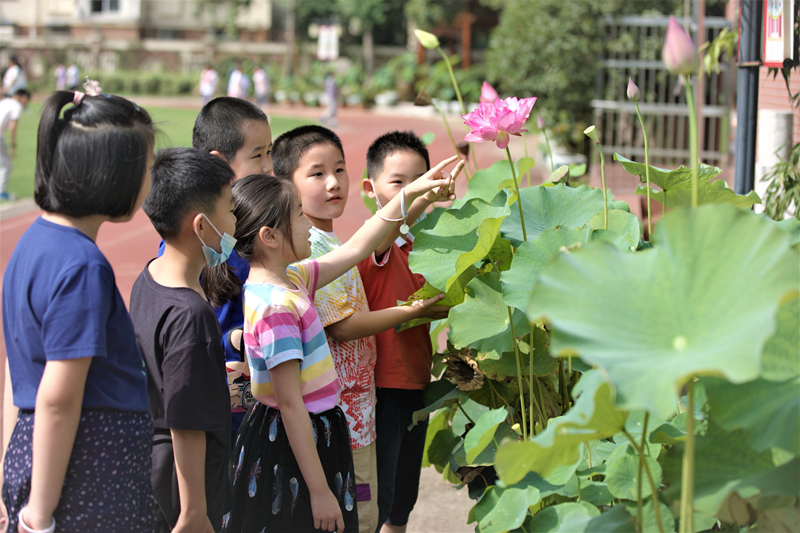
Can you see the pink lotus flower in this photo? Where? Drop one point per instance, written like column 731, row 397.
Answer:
column 633, row 90
column 679, row 52
column 495, row 121
column 488, row 94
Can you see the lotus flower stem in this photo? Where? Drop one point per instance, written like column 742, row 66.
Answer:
column 542, row 404
column 641, row 467
column 605, row 190
column 519, row 196
column 452, row 79
column 653, row 488
column 531, row 391
column 452, row 139
column 461, row 407
column 549, row 151
column 562, row 387
column 693, row 138
column 520, row 380
column 525, row 147
column 646, row 171
column 687, row 473
column 471, row 154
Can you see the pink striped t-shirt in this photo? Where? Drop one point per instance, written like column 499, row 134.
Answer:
column 280, row 325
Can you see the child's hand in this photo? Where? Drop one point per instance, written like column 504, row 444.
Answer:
column 428, row 308
column 193, row 522
column 327, row 513
column 439, row 183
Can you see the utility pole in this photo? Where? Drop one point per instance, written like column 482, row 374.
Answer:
column 747, row 94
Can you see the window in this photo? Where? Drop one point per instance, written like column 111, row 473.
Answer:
column 104, row 6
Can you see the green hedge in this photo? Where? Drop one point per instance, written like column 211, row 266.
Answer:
column 134, row 82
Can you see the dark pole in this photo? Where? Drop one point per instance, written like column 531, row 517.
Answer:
column 747, row 93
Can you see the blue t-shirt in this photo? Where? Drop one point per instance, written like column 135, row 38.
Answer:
column 60, row 301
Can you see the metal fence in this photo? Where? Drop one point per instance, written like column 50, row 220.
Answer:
column 634, row 51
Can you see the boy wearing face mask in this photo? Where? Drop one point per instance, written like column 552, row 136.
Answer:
column 191, row 207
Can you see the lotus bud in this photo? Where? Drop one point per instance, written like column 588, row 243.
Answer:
column 679, row 53
column 426, row 39
column 540, row 122
column 488, row 94
column 591, row 132
column 633, row 91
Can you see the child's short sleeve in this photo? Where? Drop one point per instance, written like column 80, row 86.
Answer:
column 76, row 320
column 278, row 339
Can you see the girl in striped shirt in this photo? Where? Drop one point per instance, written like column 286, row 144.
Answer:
column 292, row 469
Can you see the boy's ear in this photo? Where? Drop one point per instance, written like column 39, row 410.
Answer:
column 369, row 190
column 268, row 236
column 199, row 225
column 216, row 153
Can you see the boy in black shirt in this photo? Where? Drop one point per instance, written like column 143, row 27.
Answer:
column 191, row 207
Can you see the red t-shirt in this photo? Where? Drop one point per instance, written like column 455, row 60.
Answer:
column 404, row 358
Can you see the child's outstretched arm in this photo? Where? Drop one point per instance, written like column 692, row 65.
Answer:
column 416, row 210
column 369, row 236
column 365, row 323
column 285, row 379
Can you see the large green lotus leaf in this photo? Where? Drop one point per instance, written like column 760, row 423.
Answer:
column 546, row 207
column 790, row 225
column 454, row 296
column 622, row 223
column 564, row 518
column 504, row 366
column 649, row 518
column 781, row 358
column 466, row 408
column 460, row 238
column 769, row 413
column 723, row 462
column 622, row 474
column 501, row 254
column 483, row 432
column 485, row 183
column 615, row 520
column 715, row 192
column 437, row 394
column 500, row 510
column 429, row 222
column 668, row 180
column 532, row 256
column 702, row 301
column 594, row 492
column 503, row 509
column 593, row 416
column 482, row 321
column 437, row 424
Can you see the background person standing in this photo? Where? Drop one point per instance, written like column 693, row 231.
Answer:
column 10, row 110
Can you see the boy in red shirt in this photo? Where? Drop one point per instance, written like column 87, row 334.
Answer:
column 403, row 367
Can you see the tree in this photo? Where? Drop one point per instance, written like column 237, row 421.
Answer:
column 551, row 49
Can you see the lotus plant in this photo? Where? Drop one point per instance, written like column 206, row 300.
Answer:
column 680, row 57
column 591, row 132
column 633, row 94
column 497, row 121
column 542, row 125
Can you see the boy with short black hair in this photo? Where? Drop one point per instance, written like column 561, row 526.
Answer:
column 10, row 111
column 191, row 206
column 404, row 359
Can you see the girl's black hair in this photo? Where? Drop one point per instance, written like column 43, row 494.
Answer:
column 259, row 200
column 290, row 147
column 91, row 160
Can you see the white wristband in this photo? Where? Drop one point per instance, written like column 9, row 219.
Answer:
column 29, row 529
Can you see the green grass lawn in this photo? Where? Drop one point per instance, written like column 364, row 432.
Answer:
column 175, row 125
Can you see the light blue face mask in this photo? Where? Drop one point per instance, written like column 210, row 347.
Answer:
column 226, row 243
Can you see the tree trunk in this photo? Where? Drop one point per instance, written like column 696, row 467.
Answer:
column 290, row 37
column 369, row 52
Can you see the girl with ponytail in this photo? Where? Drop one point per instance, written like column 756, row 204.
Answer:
column 79, row 455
